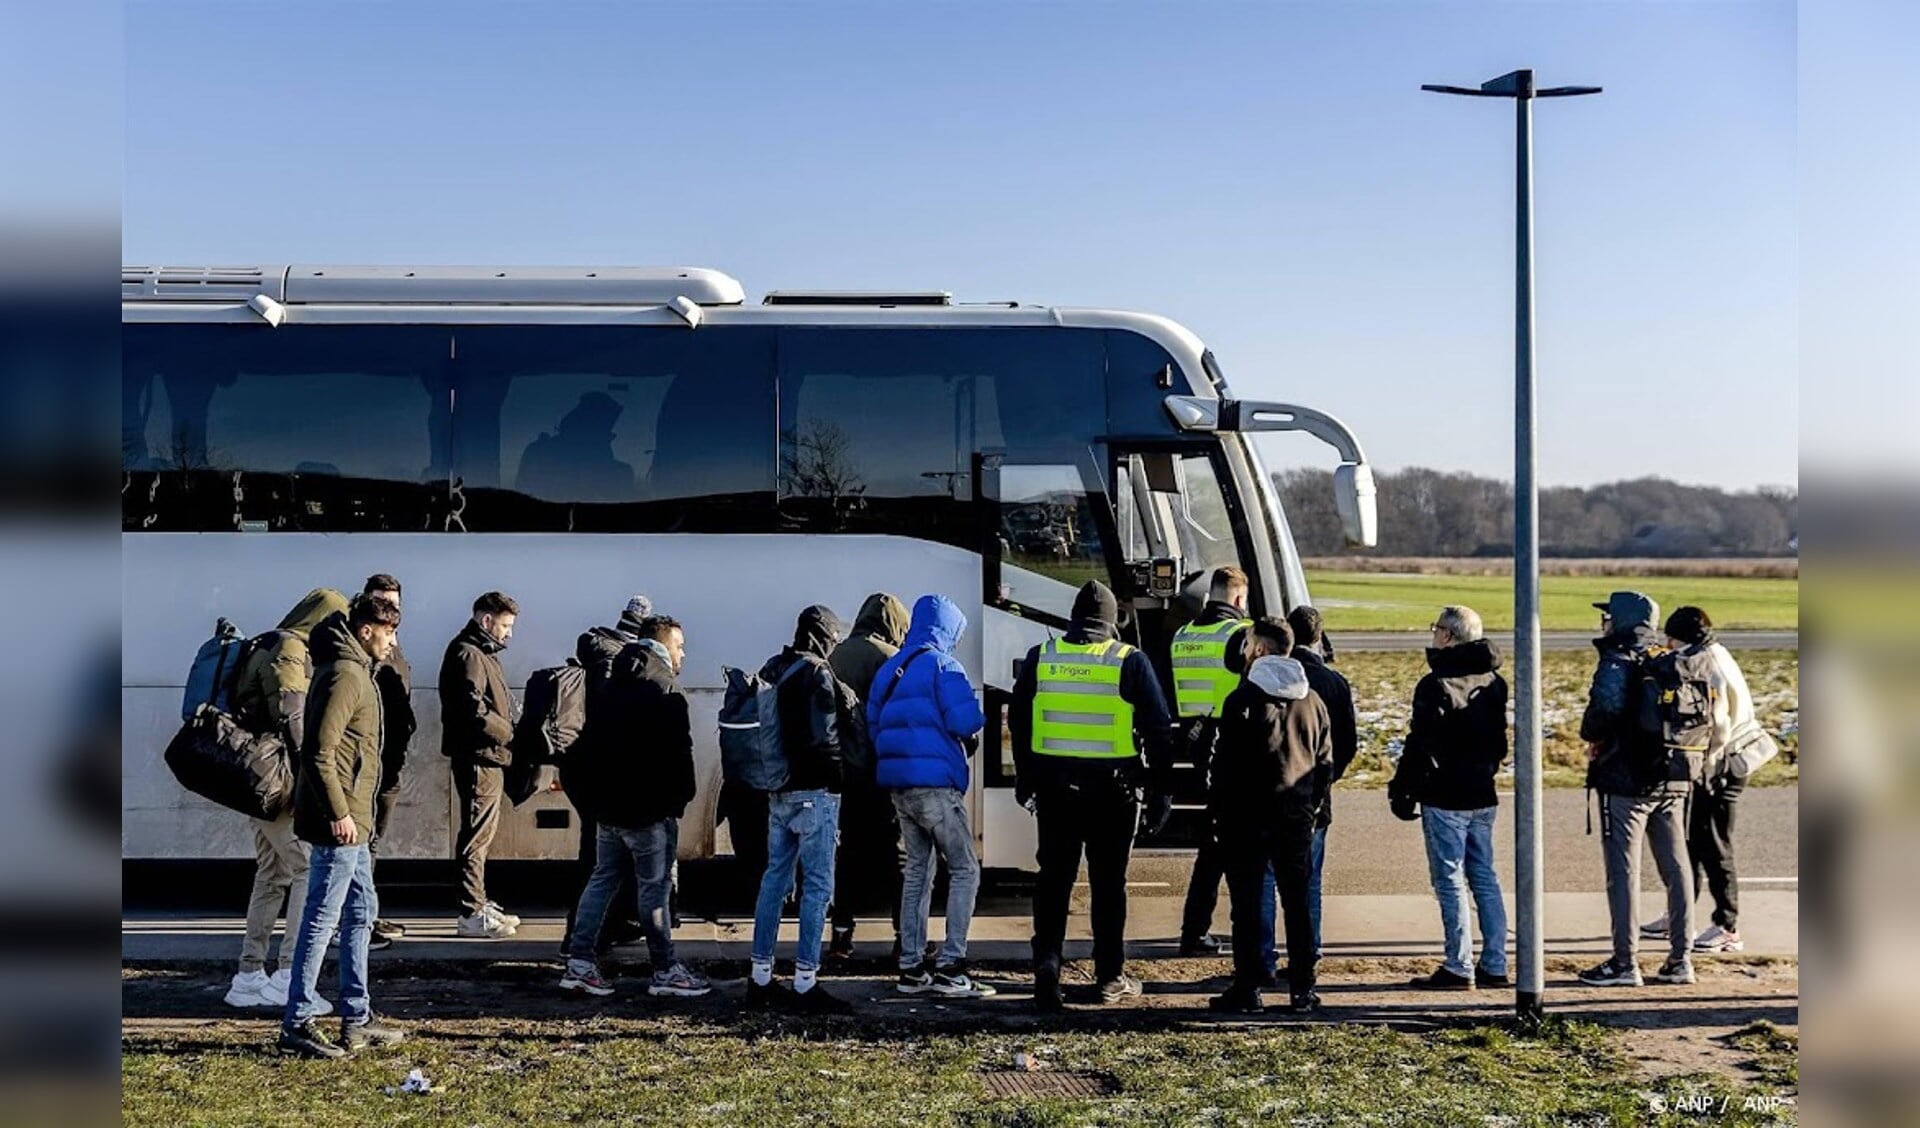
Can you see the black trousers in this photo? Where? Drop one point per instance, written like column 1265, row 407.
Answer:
column 745, row 811
column 867, row 866
column 1286, row 844
column 1710, row 843
column 1098, row 821
column 1203, row 891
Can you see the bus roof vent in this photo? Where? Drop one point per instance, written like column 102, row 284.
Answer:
column 511, row 285
column 857, row 298
column 198, row 283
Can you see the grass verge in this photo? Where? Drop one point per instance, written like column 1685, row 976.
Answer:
column 683, row 1071
column 1383, row 684
column 1354, row 601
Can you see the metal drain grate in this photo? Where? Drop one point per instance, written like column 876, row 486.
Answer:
column 1048, row 1084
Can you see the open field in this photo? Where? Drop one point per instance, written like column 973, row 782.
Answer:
column 1383, row 684
column 1353, row 601
column 1382, row 1055
column 1772, row 567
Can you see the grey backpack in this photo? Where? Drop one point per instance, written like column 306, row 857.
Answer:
column 751, row 751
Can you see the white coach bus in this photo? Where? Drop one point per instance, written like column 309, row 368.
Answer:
column 573, row 436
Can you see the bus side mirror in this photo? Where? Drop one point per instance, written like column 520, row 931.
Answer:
column 1353, row 498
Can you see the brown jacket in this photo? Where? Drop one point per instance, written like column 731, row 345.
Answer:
column 476, row 709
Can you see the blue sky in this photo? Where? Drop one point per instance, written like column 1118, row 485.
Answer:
column 1267, row 174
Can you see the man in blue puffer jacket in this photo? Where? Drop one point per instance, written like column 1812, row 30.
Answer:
column 923, row 715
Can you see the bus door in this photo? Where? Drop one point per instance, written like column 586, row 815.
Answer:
column 1175, row 524
column 1045, row 529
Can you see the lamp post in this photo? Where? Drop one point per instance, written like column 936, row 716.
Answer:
column 1529, row 939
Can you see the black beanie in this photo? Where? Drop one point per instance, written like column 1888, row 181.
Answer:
column 1690, row 625
column 1096, row 604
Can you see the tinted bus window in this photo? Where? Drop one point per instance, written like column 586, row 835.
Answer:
column 613, row 429
column 314, row 428
column 879, row 426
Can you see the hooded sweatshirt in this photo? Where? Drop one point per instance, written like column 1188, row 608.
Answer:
column 1275, row 751
column 1096, row 614
column 819, row 714
column 339, row 762
column 922, row 705
column 1457, row 738
column 271, row 693
column 876, row 636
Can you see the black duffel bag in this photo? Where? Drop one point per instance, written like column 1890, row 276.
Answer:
column 213, row 757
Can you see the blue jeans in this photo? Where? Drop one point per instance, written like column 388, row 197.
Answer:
column 1313, row 882
column 1460, row 859
column 651, row 848
column 339, row 894
column 934, row 821
column 802, row 826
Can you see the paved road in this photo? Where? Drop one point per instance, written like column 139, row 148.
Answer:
column 1552, row 640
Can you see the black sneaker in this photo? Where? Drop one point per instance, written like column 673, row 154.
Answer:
column 1237, row 1000
column 1484, row 978
column 1305, row 1003
column 375, row 1031
column 1123, row 987
column 308, row 1040
column 841, row 946
column 953, row 982
column 1274, row 980
column 377, row 942
column 915, row 982
column 1046, row 990
column 1442, row 980
column 817, row 1000
column 765, row 997
column 1202, row 945
column 391, row 929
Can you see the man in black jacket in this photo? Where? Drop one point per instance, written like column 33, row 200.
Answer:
column 476, row 733
column 635, row 777
column 817, row 713
column 1455, row 745
column 1082, row 707
column 393, row 677
column 1634, row 807
column 1270, row 775
column 1334, row 692
column 1207, row 662
column 596, row 650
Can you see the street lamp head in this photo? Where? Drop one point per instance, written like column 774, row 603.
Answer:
column 1514, row 84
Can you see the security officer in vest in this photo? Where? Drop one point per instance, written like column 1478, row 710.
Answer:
column 1084, row 706
column 1207, row 662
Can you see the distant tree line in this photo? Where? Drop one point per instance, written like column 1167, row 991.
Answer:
column 1431, row 513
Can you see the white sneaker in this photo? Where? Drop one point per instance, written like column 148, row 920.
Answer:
column 280, row 985
column 1717, row 939
column 483, row 926
column 1655, row 927
column 500, row 911
column 250, row 989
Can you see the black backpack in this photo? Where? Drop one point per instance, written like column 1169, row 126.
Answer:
column 1672, row 715
column 554, row 713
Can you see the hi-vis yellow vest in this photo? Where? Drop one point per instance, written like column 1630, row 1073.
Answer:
column 1077, row 707
column 1201, row 681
